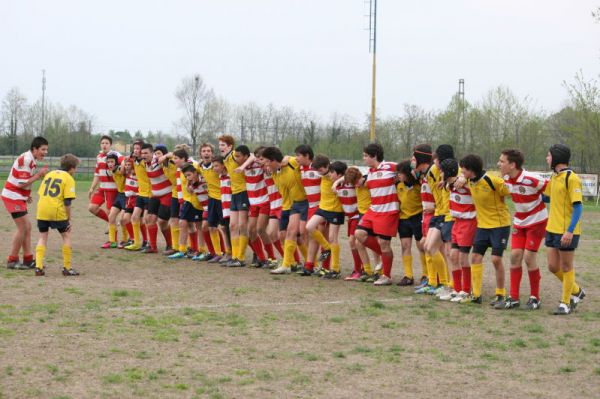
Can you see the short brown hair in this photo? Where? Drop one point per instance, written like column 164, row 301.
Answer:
column 68, row 162
column 212, row 147
column 514, row 156
column 352, row 175
column 227, row 139
column 320, row 161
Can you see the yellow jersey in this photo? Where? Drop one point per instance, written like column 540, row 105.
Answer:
column 212, row 179
column 144, row 187
column 56, row 187
column 119, row 179
column 187, row 196
column 410, row 200
column 561, row 201
column 442, row 201
column 171, row 173
column 238, row 180
column 488, row 196
column 363, row 197
column 329, row 200
column 289, row 181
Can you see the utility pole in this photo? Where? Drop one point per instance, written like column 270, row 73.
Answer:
column 43, row 99
column 461, row 100
column 373, row 50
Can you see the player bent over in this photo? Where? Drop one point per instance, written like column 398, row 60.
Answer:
column 54, row 212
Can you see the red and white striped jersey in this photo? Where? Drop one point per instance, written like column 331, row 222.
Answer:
column 107, row 182
column 382, row 187
column 427, row 199
column 225, row 185
column 131, row 185
column 160, row 183
column 22, row 170
column 201, row 192
column 256, row 187
column 311, row 180
column 461, row 203
column 526, row 190
column 179, row 188
column 347, row 195
column 275, row 199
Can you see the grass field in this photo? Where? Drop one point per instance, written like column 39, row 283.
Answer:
column 136, row 325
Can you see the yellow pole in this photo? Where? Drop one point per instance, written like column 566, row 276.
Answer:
column 372, row 130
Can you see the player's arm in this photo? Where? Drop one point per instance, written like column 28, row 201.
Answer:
column 336, row 183
column 285, row 161
column 576, row 197
column 247, row 162
column 163, row 158
column 35, row 177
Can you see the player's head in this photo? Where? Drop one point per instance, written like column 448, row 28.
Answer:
column 558, row 154
column 405, row 172
column 105, row 143
column 190, row 172
column 422, row 157
column 272, row 157
column 449, row 168
column 372, row 154
column 206, row 152
column 136, row 148
column 352, row 176
column 128, row 164
column 68, row 163
column 304, row 154
column 258, row 153
column 241, row 154
column 472, row 166
column 112, row 160
column 39, row 147
column 147, row 152
column 510, row 162
column 226, row 143
column 218, row 164
column 443, row 152
column 180, row 157
column 321, row 164
column 337, row 170
column 160, row 150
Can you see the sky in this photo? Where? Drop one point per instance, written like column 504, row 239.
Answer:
column 122, row 60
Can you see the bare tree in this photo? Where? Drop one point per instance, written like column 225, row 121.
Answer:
column 13, row 108
column 194, row 98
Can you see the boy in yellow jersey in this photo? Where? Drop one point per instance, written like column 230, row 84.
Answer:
column 142, row 199
column 118, row 205
column 288, row 179
column 170, row 170
column 493, row 224
column 564, row 225
column 238, row 219
column 330, row 210
column 411, row 218
column 54, row 212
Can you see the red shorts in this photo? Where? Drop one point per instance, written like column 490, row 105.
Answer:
column 101, row 195
column 275, row 213
column 463, row 232
column 352, row 223
column 262, row 209
column 205, row 215
column 130, row 204
column 312, row 211
column 380, row 224
column 529, row 238
column 14, row 206
column 165, row 200
column 425, row 223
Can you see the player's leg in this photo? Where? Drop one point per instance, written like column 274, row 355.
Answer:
column 312, row 228
column 67, row 252
column 40, row 249
column 95, row 205
column 262, row 243
column 334, row 230
column 20, row 238
column 112, row 228
column 387, row 258
column 499, row 240
column 290, row 244
column 136, row 219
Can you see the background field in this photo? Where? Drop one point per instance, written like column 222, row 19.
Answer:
column 140, row 326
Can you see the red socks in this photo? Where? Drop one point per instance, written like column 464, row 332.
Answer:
column 208, row 242
column 153, row 233
column 309, row 266
column 257, row 247
column 102, row 215
column 534, row 281
column 297, row 255
column 457, row 280
column 357, row 261
column 466, row 279
column 194, row 240
column 129, row 228
column 515, row 281
column 387, row 258
column 27, row 258
column 270, row 251
column 326, row 263
column 144, row 230
column 373, row 244
column 167, row 235
column 279, row 247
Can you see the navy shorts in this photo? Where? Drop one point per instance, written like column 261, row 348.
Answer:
column 284, row 220
column 447, row 231
column 215, row 212
column 495, row 238
column 436, row 222
column 156, row 208
column 45, row 225
column 300, row 207
column 411, row 227
column 188, row 213
column 175, row 205
column 553, row 241
column 239, row 202
column 336, row 218
column 142, row 202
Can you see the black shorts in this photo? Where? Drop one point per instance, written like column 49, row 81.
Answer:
column 436, row 222
column 142, row 202
column 284, row 220
column 120, row 201
column 188, row 213
column 239, row 202
column 215, row 212
column 411, row 227
column 45, row 225
column 16, row 215
column 174, row 211
column 129, row 210
column 300, row 207
column 447, row 231
column 553, row 241
column 156, row 208
column 495, row 238
column 336, row 218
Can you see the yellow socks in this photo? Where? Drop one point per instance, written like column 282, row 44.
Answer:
column 216, row 241
column 335, row 257
column 303, row 250
column 318, row 237
column 440, row 267
column 476, row 278
column 567, row 288
column 424, row 264
column 501, row 291
column 175, row 236
column 40, row 252
column 431, row 271
column 407, row 263
column 124, row 233
column 575, row 290
column 367, row 268
column 112, row 232
column 289, row 247
column 242, row 246
column 67, row 256
column 137, row 235
column 234, row 247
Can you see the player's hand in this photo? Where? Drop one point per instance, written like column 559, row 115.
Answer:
column 459, row 182
column 43, row 171
column 90, row 193
column 68, row 229
column 239, row 170
column 566, row 239
column 29, row 200
column 441, row 184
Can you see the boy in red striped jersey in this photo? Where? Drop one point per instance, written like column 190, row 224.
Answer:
column 225, row 190
column 275, row 208
column 377, row 227
column 529, row 226
column 131, row 188
column 16, row 194
column 103, row 180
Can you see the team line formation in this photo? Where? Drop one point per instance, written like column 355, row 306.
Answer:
column 212, row 209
